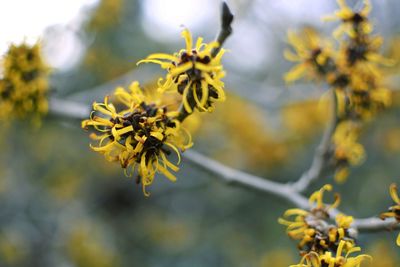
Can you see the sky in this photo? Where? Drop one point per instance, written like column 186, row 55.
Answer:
column 28, row 19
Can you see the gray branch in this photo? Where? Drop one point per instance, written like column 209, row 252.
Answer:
column 283, row 191
column 322, row 154
column 233, row 176
column 375, row 224
column 68, row 109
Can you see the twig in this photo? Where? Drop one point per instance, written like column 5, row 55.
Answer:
column 234, row 176
column 375, row 224
column 283, row 191
column 322, row 154
column 68, row 109
column 226, row 28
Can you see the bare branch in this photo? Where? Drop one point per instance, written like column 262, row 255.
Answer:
column 322, row 154
column 234, row 176
column 283, row 191
column 375, row 224
column 68, row 109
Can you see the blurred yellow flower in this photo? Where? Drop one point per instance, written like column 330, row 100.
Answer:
column 313, row 54
column 24, row 83
column 347, row 150
column 352, row 22
column 394, row 211
column 106, row 14
column 87, row 246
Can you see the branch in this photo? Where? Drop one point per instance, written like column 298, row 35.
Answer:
column 284, row 191
column 74, row 110
column 68, row 109
column 226, row 28
column 374, row 224
column 322, row 154
column 233, row 176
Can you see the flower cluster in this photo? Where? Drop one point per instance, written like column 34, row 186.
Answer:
column 394, row 211
column 311, row 229
column 348, row 152
column 193, row 72
column 142, row 133
column 333, row 260
column 24, row 83
column 313, row 54
column 352, row 69
column 318, row 238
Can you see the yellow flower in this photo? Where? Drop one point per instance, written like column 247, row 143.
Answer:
column 352, row 22
column 394, row 211
column 24, row 83
column 194, row 72
column 140, row 136
column 316, row 199
column 312, row 229
column 106, row 14
column 348, row 152
column 329, row 260
column 313, row 54
column 365, row 48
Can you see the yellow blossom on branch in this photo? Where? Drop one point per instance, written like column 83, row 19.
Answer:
column 347, row 150
column 141, row 135
column 334, row 259
column 313, row 54
column 394, row 211
column 312, row 228
column 353, row 22
column 193, row 72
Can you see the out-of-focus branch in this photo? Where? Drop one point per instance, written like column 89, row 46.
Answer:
column 322, row 154
column 68, row 109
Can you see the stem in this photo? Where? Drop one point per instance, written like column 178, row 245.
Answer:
column 226, row 28
column 234, row 176
column 322, row 154
column 68, row 109
column 283, row 191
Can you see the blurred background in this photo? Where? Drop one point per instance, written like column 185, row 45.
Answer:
column 64, row 205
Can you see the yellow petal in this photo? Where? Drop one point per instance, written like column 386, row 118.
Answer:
column 188, row 40
column 182, row 68
column 163, row 56
column 167, row 174
column 295, row 73
column 393, row 193
column 398, row 240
